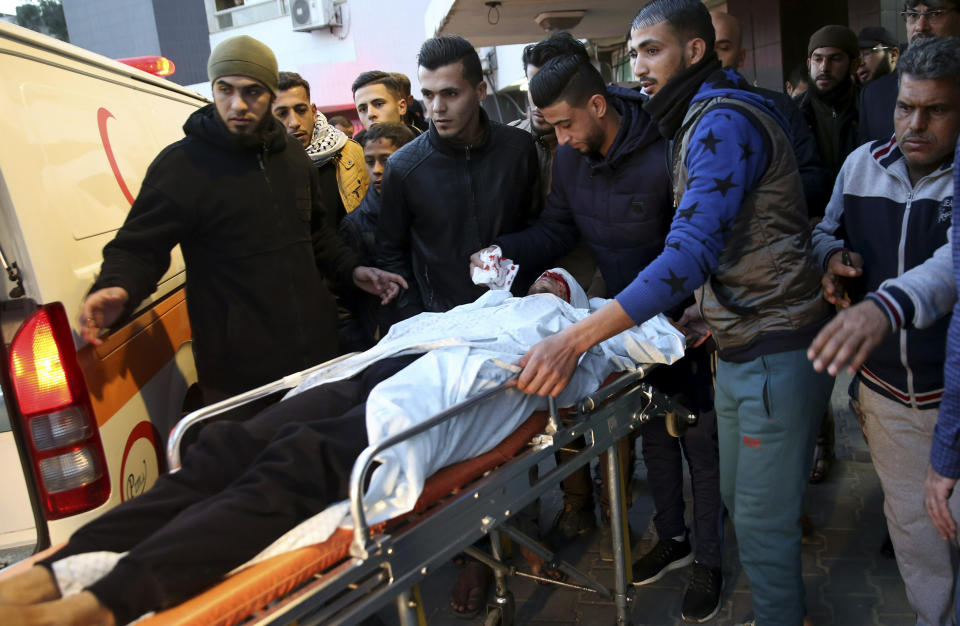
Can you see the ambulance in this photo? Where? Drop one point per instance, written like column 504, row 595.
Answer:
column 82, row 428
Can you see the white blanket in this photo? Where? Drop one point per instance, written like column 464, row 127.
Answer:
column 468, row 349
column 471, row 348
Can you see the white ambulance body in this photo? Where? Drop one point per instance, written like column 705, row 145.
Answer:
column 81, row 427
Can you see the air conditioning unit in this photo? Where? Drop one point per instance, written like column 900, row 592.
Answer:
column 313, row 14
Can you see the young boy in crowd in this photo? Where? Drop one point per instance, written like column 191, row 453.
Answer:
column 358, row 228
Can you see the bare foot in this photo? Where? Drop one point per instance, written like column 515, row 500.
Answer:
column 538, row 567
column 82, row 609
column 32, row 586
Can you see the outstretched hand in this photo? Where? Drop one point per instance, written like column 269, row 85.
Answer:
column 100, row 310
column 838, row 271
column 548, row 366
column 384, row 285
column 849, row 338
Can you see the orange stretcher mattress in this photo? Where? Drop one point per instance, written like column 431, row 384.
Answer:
column 253, row 588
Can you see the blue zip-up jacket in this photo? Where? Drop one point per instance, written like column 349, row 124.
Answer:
column 901, row 230
column 945, row 452
column 620, row 203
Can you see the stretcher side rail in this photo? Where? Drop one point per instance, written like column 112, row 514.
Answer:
column 407, row 555
column 201, row 415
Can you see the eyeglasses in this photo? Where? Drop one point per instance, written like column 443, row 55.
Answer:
column 933, row 16
column 874, row 50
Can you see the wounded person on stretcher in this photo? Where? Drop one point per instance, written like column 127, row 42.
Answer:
column 243, row 484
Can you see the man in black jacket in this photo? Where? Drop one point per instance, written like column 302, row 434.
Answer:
column 240, row 196
column 830, row 105
column 454, row 188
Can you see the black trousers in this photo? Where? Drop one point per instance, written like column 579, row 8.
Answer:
column 241, row 486
column 691, row 380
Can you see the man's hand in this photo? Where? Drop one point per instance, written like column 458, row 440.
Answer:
column 548, row 366
column 100, row 310
column 385, row 285
column 938, row 490
column 475, row 258
column 833, row 281
column 849, row 337
column 693, row 326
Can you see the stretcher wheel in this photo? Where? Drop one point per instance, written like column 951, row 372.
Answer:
column 501, row 613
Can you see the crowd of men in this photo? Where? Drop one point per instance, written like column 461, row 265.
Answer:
column 797, row 234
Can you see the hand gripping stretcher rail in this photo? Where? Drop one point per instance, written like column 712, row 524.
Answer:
column 357, row 572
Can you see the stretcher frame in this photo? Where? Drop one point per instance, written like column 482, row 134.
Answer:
column 383, row 567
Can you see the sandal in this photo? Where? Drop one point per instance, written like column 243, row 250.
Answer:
column 822, row 461
column 469, row 594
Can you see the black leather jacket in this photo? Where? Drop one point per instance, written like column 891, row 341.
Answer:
column 442, row 202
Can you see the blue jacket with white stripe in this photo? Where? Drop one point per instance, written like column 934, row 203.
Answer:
column 902, row 231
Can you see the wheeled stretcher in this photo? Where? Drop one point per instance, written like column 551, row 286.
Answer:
column 357, row 572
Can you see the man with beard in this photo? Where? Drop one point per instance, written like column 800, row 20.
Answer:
column 830, row 105
column 611, row 187
column 924, row 18
column 740, row 239
column 243, row 202
column 339, row 159
column 888, row 221
column 878, row 53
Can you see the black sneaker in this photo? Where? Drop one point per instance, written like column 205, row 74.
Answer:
column 571, row 522
column 702, row 598
column 666, row 555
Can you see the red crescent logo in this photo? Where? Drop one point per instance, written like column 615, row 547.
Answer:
column 102, row 116
column 143, row 430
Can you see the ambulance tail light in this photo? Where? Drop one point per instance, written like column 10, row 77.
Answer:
column 57, row 419
column 152, row 64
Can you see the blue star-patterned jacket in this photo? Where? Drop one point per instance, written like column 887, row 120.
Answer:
column 726, row 158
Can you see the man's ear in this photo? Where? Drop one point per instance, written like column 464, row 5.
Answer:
column 696, row 49
column 742, row 58
column 598, row 105
column 402, row 106
column 481, row 90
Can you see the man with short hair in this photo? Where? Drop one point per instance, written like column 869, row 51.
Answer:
column 612, row 187
column 378, row 97
column 797, row 83
column 888, row 222
column 924, row 18
column 342, row 124
column 339, row 159
column 454, row 188
column 242, row 200
column 415, row 111
column 359, row 228
column 740, row 241
column 879, row 52
column 830, row 105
